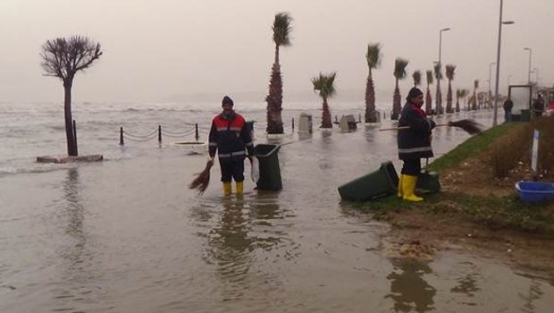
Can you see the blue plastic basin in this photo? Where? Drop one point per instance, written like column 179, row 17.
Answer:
column 532, row 192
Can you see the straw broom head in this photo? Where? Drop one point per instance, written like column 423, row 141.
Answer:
column 468, row 125
column 201, row 182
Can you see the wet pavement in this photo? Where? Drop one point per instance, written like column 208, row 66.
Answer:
column 127, row 235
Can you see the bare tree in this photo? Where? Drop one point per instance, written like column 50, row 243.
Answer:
column 63, row 58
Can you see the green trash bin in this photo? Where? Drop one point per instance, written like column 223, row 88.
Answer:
column 428, row 182
column 525, row 116
column 379, row 183
column 270, row 172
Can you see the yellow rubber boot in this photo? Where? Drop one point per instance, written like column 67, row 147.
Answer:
column 240, row 188
column 399, row 193
column 408, row 187
column 227, row 188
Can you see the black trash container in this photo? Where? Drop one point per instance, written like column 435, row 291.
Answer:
column 270, row 172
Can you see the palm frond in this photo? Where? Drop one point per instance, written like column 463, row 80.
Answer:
column 429, row 77
column 324, row 84
column 450, row 71
column 417, row 78
column 373, row 55
column 282, row 29
column 400, row 68
column 437, row 70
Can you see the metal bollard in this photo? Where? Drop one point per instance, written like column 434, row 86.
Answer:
column 159, row 133
column 293, row 124
column 196, row 135
column 75, row 137
column 121, row 141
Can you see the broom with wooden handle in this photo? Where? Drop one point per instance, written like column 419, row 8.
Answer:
column 468, row 125
column 201, row 182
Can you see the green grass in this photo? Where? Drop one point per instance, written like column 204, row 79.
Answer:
column 496, row 212
column 471, row 147
column 489, row 211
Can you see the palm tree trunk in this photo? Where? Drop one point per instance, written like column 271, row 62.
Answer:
column 370, row 111
column 326, row 115
column 276, row 54
column 275, row 98
column 449, row 98
column 457, row 104
column 438, row 99
column 396, row 105
column 428, row 102
column 70, row 136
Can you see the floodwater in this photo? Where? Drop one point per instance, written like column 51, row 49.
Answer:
column 127, row 235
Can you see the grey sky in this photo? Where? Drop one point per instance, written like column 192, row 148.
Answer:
column 161, row 49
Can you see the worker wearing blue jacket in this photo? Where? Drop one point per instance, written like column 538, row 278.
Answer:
column 230, row 138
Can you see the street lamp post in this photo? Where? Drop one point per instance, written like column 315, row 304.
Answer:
column 490, row 92
column 500, row 22
column 439, row 94
column 536, row 71
column 529, row 72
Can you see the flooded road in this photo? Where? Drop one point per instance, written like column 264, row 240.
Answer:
column 128, row 235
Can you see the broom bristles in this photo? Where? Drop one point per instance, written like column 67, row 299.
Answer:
column 201, row 182
column 468, row 125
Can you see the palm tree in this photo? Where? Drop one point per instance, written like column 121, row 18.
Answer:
column 324, row 84
column 63, row 58
column 475, row 86
column 399, row 73
column 450, row 76
column 428, row 99
column 458, row 96
column 373, row 58
column 438, row 76
column 281, row 36
column 463, row 95
column 417, row 78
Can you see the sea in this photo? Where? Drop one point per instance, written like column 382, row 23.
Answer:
column 127, row 234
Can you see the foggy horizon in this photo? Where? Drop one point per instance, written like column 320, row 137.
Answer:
column 169, row 49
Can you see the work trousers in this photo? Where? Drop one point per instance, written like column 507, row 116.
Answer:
column 232, row 169
column 411, row 167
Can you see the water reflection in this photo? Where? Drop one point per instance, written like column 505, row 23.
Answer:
column 230, row 244
column 245, row 224
column 268, row 220
column 243, row 233
column 75, row 214
column 408, row 288
column 304, row 136
column 534, row 293
column 73, row 287
column 467, row 285
column 369, row 133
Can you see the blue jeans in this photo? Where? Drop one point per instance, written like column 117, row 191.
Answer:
column 507, row 116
